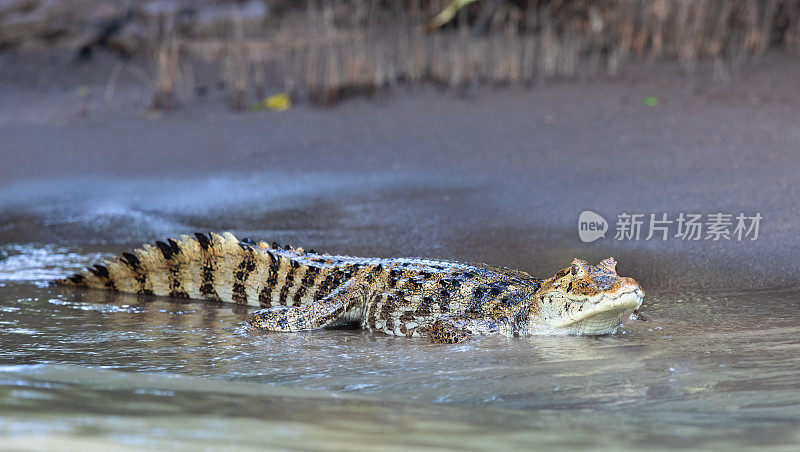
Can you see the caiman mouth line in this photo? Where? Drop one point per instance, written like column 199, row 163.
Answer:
column 626, row 301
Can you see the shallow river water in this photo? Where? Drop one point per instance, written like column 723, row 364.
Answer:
column 91, row 370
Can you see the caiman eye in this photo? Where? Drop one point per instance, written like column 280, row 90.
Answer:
column 578, row 268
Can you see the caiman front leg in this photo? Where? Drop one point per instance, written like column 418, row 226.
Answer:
column 454, row 329
column 314, row 315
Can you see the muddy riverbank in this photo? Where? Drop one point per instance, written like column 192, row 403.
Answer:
column 497, row 175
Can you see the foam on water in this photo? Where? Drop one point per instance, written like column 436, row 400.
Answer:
column 41, row 262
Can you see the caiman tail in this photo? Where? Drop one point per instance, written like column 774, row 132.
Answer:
column 208, row 266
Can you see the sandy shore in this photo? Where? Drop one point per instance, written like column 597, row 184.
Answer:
column 496, row 174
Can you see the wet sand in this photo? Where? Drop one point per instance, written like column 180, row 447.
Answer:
column 494, row 174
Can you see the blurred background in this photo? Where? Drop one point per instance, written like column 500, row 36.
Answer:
column 466, row 130
column 323, row 51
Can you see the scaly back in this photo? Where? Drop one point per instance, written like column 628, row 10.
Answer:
column 218, row 267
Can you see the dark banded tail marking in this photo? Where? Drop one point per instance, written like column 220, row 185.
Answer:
column 171, row 253
column 174, row 246
column 323, row 284
column 306, row 283
column 176, row 289
column 287, row 282
column 101, row 271
column 265, row 294
column 207, row 286
column 203, row 240
column 243, row 270
column 135, row 265
column 166, row 251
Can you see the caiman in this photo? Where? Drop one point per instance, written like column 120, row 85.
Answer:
column 448, row 302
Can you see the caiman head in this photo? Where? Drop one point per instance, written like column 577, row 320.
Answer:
column 585, row 299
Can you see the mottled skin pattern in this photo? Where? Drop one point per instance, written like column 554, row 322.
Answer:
column 448, row 302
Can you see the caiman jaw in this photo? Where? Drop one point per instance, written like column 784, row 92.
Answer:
column 600, row 316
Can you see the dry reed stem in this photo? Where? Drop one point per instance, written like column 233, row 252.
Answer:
column 341, row 47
